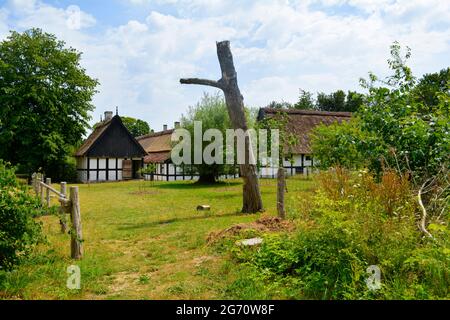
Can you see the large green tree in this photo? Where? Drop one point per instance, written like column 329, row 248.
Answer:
column 335, row 101
column 428, row 89
column 212, row 112
column 137, row 127
column 45, row 100
column 339, row 101
column 403, row 125
column 305, row 101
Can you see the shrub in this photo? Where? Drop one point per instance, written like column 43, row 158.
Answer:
column 395, row 128
column 356, row 221
column 18, row 231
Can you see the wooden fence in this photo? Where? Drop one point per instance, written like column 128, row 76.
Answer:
column 68, row 205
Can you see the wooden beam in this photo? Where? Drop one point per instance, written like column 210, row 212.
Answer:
column 62, row 220
column 280, row 193
column 76, row 243
column 48, row 182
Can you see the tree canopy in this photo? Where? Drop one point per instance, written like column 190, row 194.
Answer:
column 403, row 125
column 212, row 112
column 45, row 100
column 137, row 127
column 336, row 101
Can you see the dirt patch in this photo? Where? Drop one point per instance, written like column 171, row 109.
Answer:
column 263, row 224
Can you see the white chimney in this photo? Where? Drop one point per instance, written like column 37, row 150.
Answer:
column 176, row 125
column 165, row 127
column 108, row 115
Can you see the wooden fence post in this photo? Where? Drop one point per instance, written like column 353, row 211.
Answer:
column 76, row 244
column 42, row 192
column 48, row 181
column 280, row 194
column 62, row 220
column 33, row 183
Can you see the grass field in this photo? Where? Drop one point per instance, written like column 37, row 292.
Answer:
column 144, row 240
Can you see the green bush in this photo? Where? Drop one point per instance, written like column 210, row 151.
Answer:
column 355, row 222
column 399, row 126
column 18, row 230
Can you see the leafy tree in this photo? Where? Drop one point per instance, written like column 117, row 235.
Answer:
column 212, row 112
column 429, row 86
column 280, row 105
column 136, row 127
column 45, row 98
column 336, row 101
column 353, row 101
column 305, row 101
column 339, row 144
column 331, row 102
column 392, row 129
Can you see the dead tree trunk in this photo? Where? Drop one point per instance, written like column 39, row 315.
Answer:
column 252, row 201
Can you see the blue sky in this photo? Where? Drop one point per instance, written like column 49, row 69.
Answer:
column 138, row 49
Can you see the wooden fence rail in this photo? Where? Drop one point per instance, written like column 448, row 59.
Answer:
column 69, row 205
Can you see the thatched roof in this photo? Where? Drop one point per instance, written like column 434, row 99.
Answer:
column 301, row 123
column 128, row 146
column 157, row 157
column 158, row 146
column 87, row 144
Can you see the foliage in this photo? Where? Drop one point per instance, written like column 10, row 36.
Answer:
column 395, row 128
column 149, row 169
column 331, row 102
column 354, row 222
column 337, row 101
column 280, row 105
column 305, row 101
column 136, row 127
column 339, row 144
column 287, row 139
column 45, row 98
column 18, row 231
column 429, row 85
column 212, row 112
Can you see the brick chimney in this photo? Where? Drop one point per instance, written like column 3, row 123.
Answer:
column 108, row 115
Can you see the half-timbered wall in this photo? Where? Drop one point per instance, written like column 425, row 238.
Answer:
column 100, row 169
column 301, row 164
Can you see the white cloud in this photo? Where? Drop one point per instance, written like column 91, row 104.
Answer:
column 278, row 47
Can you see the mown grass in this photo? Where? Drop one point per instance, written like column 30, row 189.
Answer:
column 144, row 240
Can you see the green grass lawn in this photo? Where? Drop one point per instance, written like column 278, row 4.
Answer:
column 144, row 240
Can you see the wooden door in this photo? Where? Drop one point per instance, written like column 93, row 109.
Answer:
column 127, row 169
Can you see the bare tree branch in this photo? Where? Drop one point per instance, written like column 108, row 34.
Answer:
column 204, row 82
column 422, row 225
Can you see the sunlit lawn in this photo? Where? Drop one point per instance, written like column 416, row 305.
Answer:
column 145, row 240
